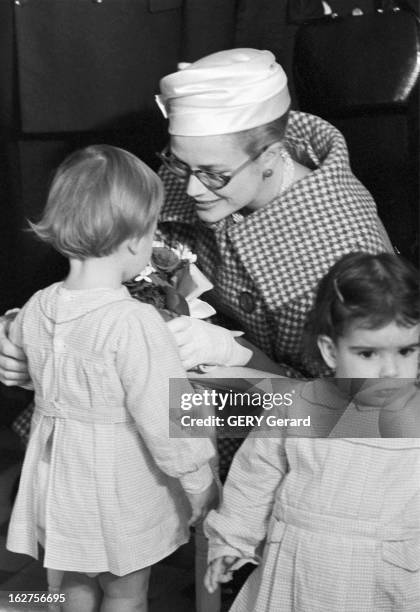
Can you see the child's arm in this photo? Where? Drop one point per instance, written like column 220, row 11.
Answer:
column 147, row 360
column 240, row 524
column 202, row 503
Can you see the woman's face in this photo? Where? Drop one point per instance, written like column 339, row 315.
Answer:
column 220, row 154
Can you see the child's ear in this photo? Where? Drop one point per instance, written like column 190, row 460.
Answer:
column 133, row 245
column 328, row 351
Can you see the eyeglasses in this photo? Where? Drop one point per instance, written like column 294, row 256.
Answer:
column 210, row 180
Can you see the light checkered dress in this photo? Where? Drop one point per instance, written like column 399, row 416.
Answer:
column 341, row 520
column 101, row 477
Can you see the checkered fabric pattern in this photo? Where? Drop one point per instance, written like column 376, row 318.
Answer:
column 22, row 424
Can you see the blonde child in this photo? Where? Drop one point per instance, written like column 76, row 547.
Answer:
column 340, row 518
column 104, row 489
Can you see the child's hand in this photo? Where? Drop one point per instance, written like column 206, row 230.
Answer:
column 219, row 570
column 202, row 503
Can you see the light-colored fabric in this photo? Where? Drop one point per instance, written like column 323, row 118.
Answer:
column 225, row 92
column 340, row 519
column 275, row 256
column 101, row 475
column 204, row 601
column 201, row 342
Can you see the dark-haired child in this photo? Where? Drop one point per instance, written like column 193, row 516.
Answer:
column 340, row 517
column 104, row 489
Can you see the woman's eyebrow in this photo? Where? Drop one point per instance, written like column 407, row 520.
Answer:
column 207, row 167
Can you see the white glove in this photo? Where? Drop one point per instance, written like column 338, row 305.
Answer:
column 204, row 343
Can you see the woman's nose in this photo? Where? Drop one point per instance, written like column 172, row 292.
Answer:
column 194, row 187
column 389, row 367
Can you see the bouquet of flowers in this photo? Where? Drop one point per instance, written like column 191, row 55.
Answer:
column 172, row 283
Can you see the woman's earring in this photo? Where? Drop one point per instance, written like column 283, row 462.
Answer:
column 267, row 173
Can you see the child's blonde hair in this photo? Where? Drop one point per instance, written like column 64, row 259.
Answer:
column 99, row 197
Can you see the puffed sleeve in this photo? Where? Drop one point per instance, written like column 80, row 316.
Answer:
column 240, row 524
column 16, row 336
column 154, row 382
column 15, row 329
column 28, row 314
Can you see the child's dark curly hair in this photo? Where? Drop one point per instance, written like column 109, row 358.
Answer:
column 373, row 289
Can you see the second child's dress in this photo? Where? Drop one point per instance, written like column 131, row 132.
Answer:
column 101, row 482
column 340, row 517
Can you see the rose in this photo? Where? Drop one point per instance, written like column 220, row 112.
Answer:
column 165, row 259
column 157, row 284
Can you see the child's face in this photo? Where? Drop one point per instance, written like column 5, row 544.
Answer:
column 389, row 352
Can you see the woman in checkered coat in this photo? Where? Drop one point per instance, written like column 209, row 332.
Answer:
column 265, row 198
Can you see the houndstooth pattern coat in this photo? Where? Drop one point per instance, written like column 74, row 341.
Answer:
column 265, row 267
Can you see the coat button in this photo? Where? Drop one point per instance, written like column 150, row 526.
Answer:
column 247, row 301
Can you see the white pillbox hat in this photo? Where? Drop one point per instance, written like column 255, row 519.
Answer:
column 225, row 92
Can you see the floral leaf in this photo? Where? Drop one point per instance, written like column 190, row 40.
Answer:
column 176, row 302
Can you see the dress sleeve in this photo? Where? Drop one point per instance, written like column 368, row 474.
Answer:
column 240, row 524
column 28, row 312
column 154, row 381
column 15, row 330
column 15, row 335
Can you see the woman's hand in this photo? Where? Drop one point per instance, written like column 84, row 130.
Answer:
column 13, row 364
column 219, row 570
column 200, row 342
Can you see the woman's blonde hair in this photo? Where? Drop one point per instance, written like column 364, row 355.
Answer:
column 100, row 196
column 254, row 140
